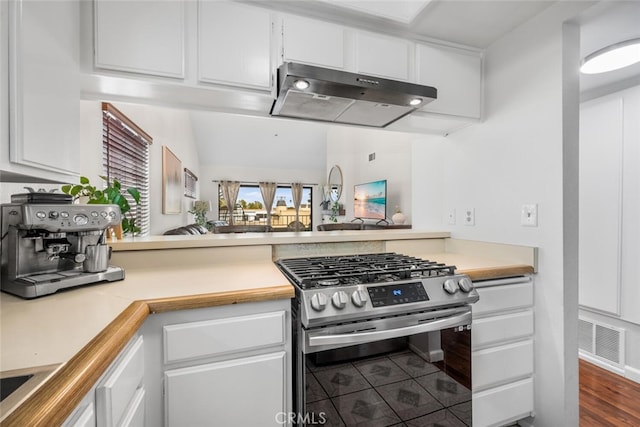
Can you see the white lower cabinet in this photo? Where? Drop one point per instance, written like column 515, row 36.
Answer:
column 248, row 391
column 118, row 398
column 219, row 366
column 120, row 395
column 85, row 413
column 502, row 352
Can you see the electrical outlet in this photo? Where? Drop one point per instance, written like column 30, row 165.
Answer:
column 470, row 216
column 529, row 215
column 451, row 217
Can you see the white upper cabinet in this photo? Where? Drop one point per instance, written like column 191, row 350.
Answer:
column 313, row 42
column 44, row 90
column 146, row 37
column 383, row 56
column 457, row 74
column 234, row 44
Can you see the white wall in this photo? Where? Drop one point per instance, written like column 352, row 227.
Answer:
column 618, row 291
column 167, row 126
column 515, row 157
column 253, row 149
column 349, row 148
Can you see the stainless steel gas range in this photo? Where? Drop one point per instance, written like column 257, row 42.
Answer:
column 380, row 339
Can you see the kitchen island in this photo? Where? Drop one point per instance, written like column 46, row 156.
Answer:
column 84, row 329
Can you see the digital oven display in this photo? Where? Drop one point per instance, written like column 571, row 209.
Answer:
column 402, row 293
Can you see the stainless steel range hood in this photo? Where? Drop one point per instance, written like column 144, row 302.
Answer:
column 315, row 93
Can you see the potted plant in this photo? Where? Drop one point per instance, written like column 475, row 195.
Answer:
column 200, row 209
column 112, row 194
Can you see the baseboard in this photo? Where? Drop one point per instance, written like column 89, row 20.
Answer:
column 632, row 374
column 628, row 372
column 600, row 363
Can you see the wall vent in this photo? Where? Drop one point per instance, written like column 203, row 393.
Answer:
column 604, row 342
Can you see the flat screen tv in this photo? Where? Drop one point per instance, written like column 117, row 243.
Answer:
column 370, row 200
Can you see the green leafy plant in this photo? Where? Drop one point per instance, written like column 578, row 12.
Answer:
column 199, row 211
column 111, row 194
column 335, row 211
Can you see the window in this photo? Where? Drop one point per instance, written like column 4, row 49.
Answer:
column 190, row 181
column 125, row 157
column 250, row 210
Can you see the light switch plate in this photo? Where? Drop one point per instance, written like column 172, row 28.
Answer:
column 529, row 215
column 451, row 217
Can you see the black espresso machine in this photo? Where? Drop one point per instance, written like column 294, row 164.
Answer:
column 49, row 244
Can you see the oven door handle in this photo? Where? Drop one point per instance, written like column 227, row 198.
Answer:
column 355, row 338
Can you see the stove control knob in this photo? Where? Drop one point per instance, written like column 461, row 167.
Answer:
column 359, row 298
column 450, row 286
column 465, row 285
column 339, row 299
column 319, row 302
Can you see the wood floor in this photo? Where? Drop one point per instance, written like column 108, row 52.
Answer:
column 607, row 399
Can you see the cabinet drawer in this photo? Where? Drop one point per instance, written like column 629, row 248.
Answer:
column 222, row 336
column 505, row 297
column 117, row 390
column 501, row 329
column 498, row 365
column 501, row 405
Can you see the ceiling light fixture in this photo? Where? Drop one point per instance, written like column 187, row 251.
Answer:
column 415, row 101
column 301, row 84
column 612, row 57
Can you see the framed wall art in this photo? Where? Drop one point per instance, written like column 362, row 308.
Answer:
column 172, row 188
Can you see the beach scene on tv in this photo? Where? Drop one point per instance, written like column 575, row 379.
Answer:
column 370, row 200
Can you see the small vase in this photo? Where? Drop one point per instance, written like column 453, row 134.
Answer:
column 398, row 218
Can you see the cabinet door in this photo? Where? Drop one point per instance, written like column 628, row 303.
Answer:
column 601, row 139
column 457, row 75
column 313, row 42
column 83, row 416
column 44, row 85
column 134, row 415
column 383, row 56
column 140, row 36
column 115, row 394
column 234, row 44
column 243, row 392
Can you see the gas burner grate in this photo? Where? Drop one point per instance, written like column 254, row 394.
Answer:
column 325, row 271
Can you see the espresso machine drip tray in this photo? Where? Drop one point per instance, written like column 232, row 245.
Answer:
column 38, row 285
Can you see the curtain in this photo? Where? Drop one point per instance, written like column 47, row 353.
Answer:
column 230, row 194
column 268, row 190
column 296, row 193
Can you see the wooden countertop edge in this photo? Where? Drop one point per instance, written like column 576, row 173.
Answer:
column 53, row 402
column 498, row 272
column 160, row 305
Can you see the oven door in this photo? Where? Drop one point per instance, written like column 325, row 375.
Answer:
column 413, row 369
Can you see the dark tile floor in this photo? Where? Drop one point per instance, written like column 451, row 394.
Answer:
column 398, row 389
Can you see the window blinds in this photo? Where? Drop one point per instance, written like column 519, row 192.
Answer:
column 125, row 157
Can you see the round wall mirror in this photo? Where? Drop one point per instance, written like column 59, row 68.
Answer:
column 335, row 183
